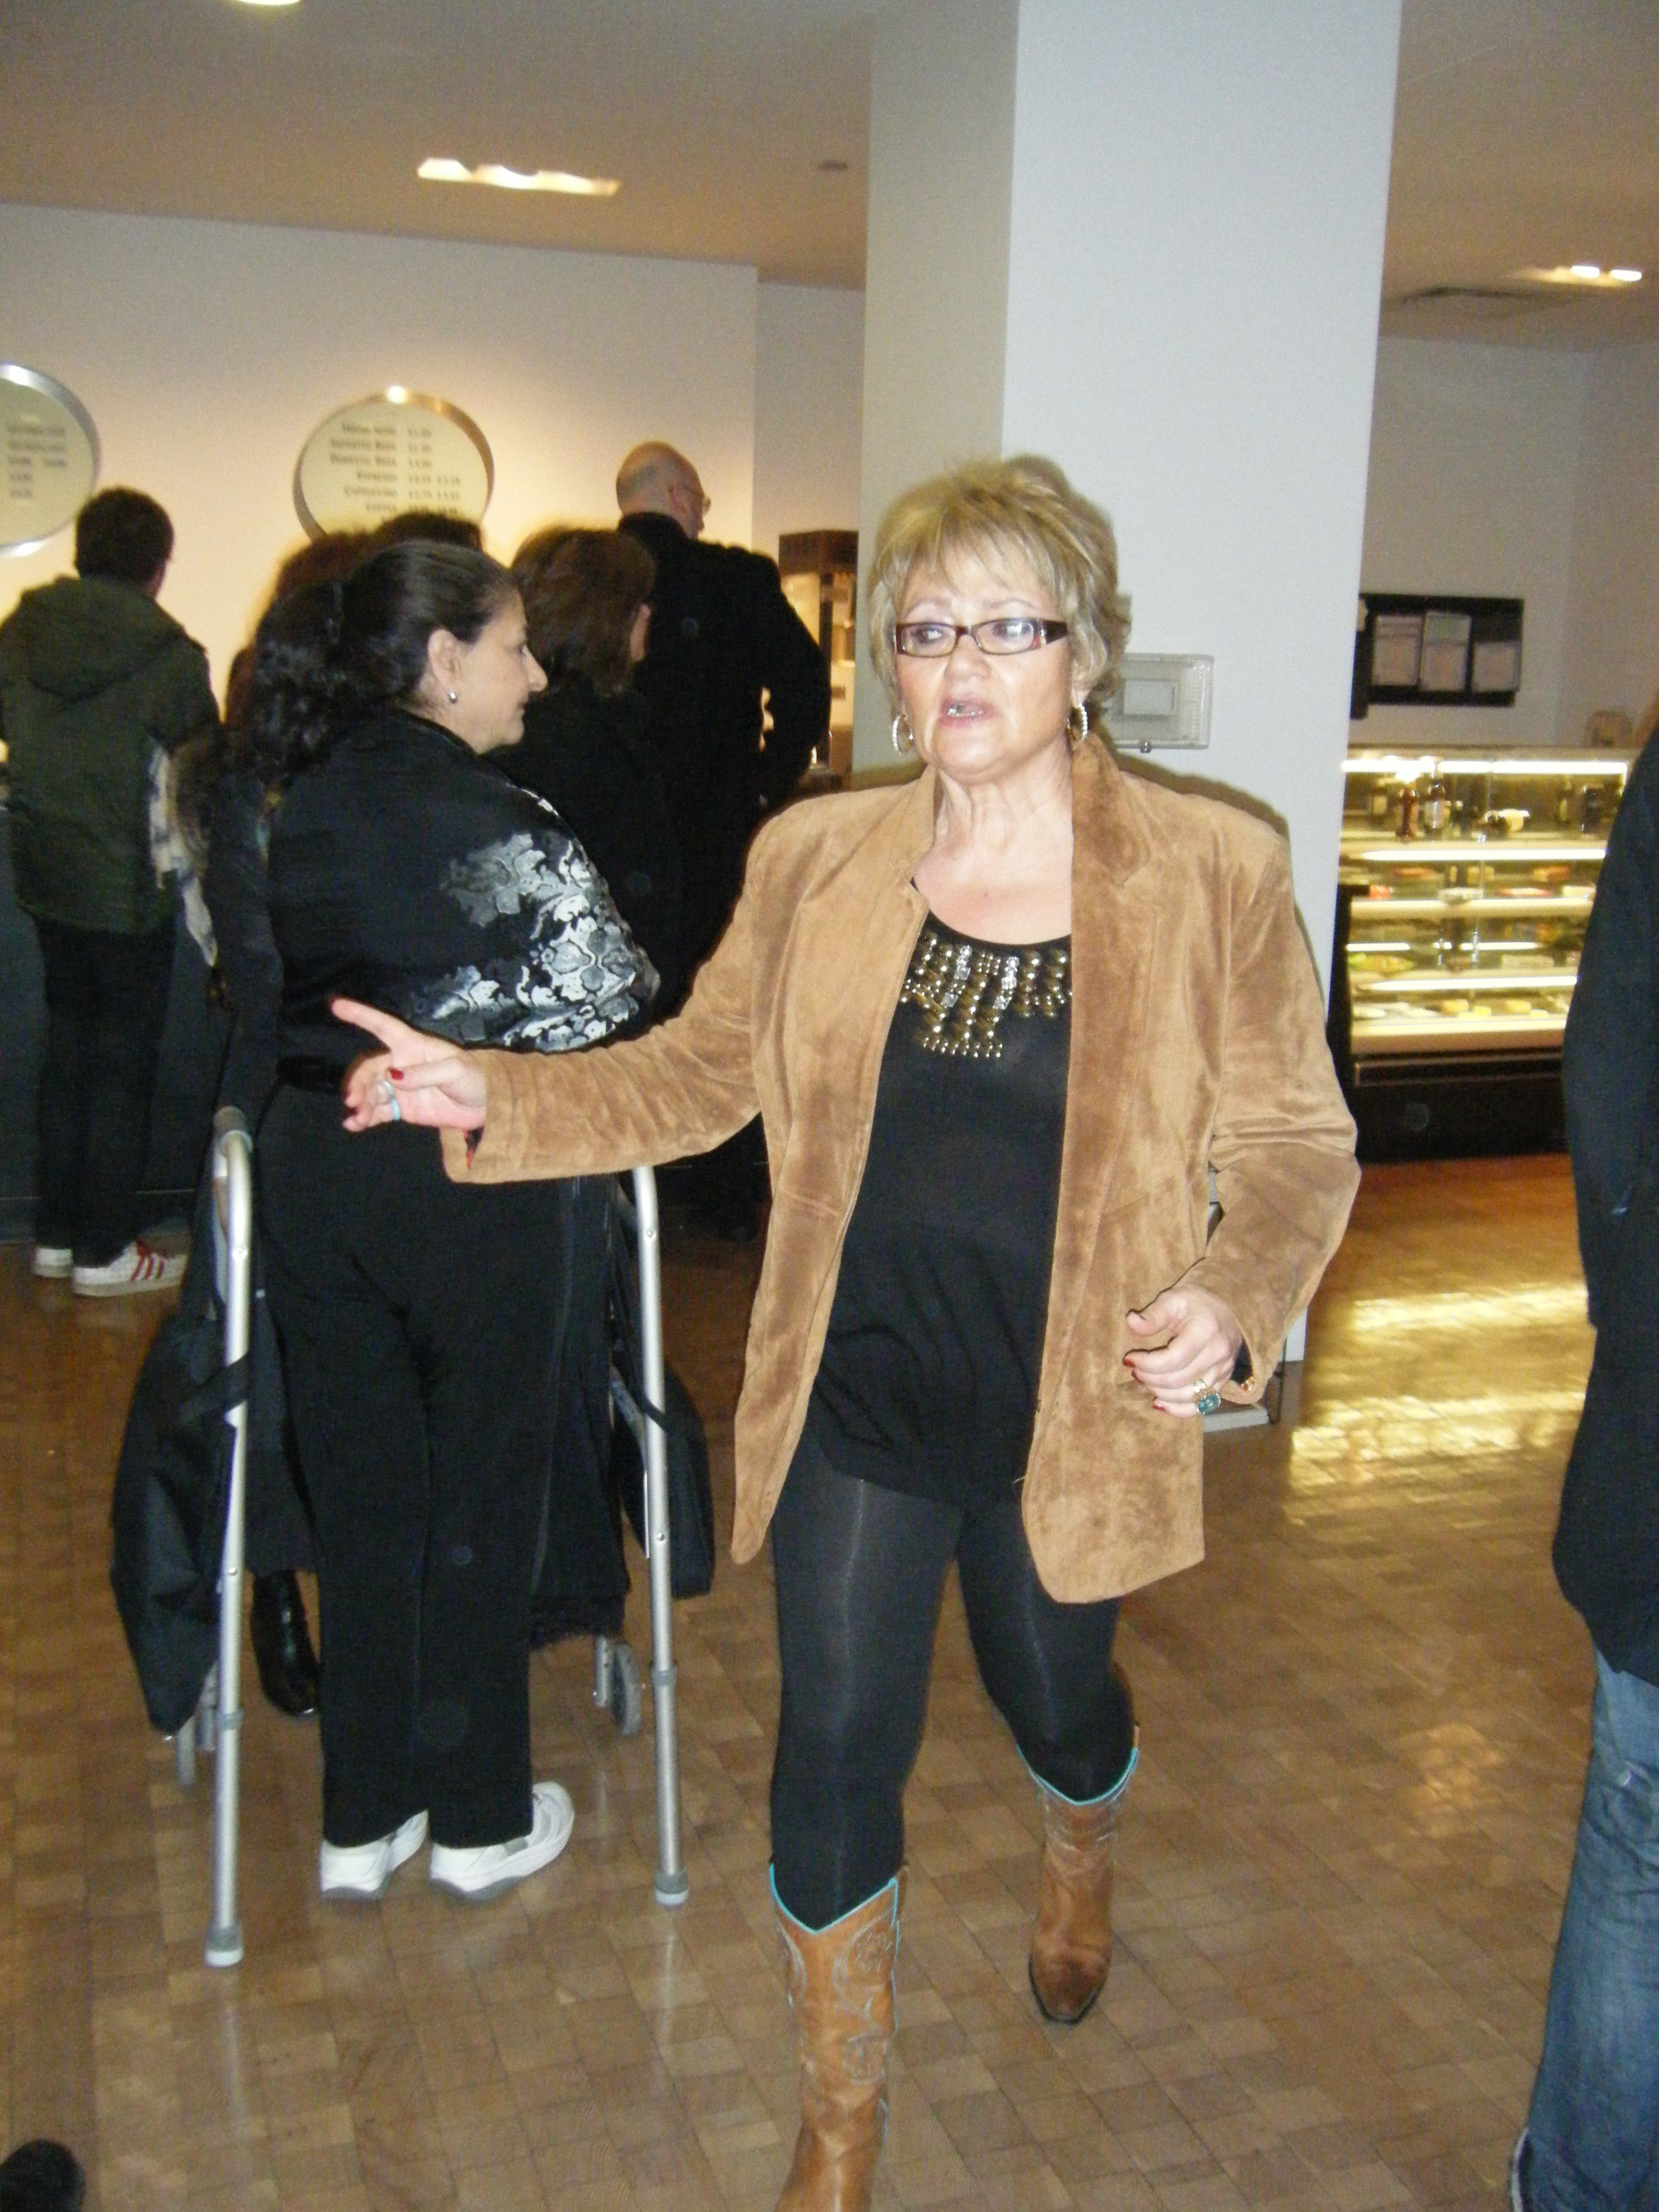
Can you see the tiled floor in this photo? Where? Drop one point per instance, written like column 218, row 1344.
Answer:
column 1364, row 1721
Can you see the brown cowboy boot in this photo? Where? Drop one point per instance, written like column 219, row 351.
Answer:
column 1072, row 1942
column 839, row 1980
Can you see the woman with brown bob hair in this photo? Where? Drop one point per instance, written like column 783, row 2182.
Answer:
column 1003, row 1023
column 586, row 743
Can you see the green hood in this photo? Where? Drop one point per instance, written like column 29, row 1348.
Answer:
column 81, row 635
column 94, row 679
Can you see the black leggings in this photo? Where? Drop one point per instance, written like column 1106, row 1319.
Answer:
column 861, row 1575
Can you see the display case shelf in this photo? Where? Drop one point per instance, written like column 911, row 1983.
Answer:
column 1466, row 883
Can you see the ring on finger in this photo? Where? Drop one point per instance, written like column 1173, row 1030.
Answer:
column 1205, row 1397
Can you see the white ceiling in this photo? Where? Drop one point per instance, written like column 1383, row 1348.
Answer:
column 1526, row 132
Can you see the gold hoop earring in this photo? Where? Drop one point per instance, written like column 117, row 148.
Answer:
column 1076, row 725
column 909, row 741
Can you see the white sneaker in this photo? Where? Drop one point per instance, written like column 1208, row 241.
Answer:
column 362, row 1870
column 486, row 1869
column 138, row 1268
column 52, row 1262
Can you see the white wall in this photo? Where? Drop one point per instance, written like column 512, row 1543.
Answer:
column 808, row 390
column 207, row 353
column 1612, row 654
column 1200, row 197
column 1474, row 457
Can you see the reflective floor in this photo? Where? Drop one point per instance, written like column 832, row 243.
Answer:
column 1364, row 1721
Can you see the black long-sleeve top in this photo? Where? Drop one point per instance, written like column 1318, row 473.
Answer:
column 410, row 873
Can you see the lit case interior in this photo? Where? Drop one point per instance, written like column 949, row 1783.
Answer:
column 1471, row 878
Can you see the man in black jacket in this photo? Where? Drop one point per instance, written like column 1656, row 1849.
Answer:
column 738, row 694
column 722, row 636
column 1591, row 2141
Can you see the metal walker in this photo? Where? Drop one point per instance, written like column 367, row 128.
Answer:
column 217, row 1725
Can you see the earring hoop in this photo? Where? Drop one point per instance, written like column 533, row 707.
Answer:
column 909, row 744
column 1076, row 725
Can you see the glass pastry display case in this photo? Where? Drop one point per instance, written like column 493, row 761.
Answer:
column 1464, row 890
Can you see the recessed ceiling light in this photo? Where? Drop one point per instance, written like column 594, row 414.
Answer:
column 267, row 3
column 1587, row 273
column 438, row 171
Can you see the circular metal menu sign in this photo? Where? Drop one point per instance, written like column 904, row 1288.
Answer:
column 48, row 458
column 391, row 451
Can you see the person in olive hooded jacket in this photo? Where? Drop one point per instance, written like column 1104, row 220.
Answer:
column 95, row 679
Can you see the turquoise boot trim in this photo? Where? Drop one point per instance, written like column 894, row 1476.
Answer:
column 890, row 1885
column 1106, row 1798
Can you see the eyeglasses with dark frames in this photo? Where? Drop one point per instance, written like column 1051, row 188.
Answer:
column 1003, row 633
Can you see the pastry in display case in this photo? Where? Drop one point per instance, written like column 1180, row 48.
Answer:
column 1464, row 890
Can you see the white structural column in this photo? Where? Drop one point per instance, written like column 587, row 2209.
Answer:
column 936, row 272
column 1179, row 303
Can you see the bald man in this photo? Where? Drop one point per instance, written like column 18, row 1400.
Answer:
column 722, row 633
column 723, row 639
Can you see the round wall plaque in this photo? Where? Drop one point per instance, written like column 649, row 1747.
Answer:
column 48, row 458
column 392, row 451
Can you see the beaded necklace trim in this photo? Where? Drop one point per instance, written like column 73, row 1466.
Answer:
column 963, row 991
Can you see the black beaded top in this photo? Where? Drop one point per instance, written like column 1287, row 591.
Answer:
column 929, row 1373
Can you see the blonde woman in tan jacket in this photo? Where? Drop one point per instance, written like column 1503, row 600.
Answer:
column 1001, row 1023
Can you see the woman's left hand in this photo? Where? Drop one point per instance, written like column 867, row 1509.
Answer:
column 1188, row 1342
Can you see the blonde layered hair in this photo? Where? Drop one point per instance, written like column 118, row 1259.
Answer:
column 994, row 511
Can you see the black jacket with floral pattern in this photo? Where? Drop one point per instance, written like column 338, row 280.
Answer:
column 408, row 871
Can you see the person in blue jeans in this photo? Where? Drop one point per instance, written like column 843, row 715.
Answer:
column 1591, row 2141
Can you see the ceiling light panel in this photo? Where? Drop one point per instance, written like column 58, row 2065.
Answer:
column 1588, row 274
column 438, row 170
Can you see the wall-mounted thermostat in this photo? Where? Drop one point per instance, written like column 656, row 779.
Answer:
column 1163, row 700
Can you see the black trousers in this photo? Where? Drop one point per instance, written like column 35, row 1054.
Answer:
column 861, row 1575
column 106, row 1005
column 420, row 1326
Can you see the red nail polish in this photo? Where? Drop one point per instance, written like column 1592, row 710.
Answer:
column 396, row 1073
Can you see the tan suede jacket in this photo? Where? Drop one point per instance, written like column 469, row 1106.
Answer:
column 1197, row 1043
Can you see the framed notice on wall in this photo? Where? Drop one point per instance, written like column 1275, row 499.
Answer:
column 393, row 450
column 48, row 458
column 1416, row 650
